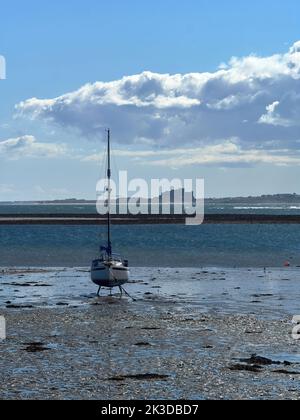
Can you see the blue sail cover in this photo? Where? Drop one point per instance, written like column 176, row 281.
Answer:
column 106, row 249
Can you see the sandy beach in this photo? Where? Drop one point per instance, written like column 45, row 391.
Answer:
column 190, row 334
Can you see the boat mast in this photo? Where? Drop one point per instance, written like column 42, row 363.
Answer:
column 109, row 248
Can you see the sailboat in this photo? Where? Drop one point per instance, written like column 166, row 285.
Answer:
column 110, row 270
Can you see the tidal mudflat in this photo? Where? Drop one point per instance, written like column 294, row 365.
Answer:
column 190, row 334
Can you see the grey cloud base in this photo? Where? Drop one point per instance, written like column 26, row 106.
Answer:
column 253, row 103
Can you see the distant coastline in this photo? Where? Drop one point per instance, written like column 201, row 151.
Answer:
column 265, row 209
column 263, row 199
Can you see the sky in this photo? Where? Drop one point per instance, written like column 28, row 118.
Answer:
column 193, row 89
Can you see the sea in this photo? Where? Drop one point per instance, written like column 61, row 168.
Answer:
column 217, row 245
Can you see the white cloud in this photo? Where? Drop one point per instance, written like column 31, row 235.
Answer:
column 223, row 153
column 273, row 117
column 6, row 188
column 28, row 146
column 2, row 68
column 255, row 99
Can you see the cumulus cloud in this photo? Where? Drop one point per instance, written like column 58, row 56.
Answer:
column 28, row 146
column 254, row 99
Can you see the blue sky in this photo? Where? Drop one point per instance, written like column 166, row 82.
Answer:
column 55, row 48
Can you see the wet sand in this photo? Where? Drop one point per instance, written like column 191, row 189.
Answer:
column 191, row 334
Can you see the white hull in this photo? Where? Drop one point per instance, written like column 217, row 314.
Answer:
column 109, row 274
